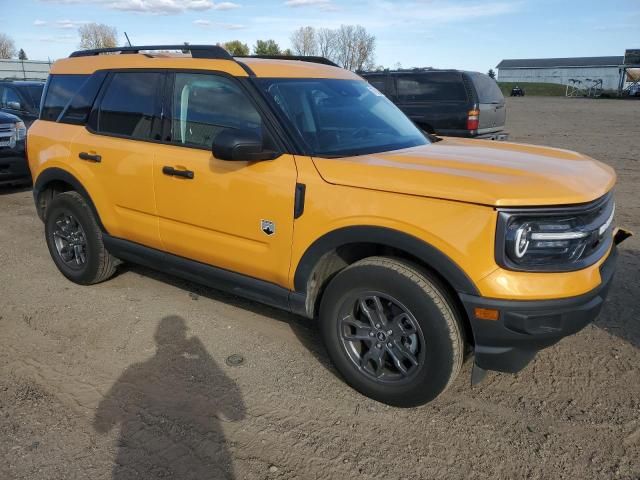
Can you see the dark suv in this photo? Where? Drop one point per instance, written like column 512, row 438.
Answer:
column 21, row 98
column 13, row 163
column 446, row 102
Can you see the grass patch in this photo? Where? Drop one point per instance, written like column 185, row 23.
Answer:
column 535, row 89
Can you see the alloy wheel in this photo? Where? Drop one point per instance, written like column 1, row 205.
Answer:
column 70, row 240
column 381, row 337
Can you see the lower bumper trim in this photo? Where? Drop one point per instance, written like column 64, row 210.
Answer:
column 525, row 327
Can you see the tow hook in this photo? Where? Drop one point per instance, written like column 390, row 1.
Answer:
column 620, row 235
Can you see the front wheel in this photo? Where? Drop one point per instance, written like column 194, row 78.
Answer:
column 391, row 331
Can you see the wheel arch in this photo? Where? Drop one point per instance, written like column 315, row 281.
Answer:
column 52, row 181
column 337, row 249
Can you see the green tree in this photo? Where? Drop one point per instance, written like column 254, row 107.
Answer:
column 491, row 73
column 22, row 55
column 236, row 47
column 287, row 52
column 266, row 47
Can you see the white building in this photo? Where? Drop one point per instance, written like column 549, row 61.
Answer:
column 24, row 69
column 563, row 70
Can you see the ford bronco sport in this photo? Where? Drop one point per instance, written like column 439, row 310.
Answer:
column 297, row 184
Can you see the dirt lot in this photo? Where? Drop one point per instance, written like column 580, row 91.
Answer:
column 133, row 371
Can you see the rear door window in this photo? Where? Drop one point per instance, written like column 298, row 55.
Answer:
column 60, row 90
column 487, row 88
column 431, row 87
column 129, row 106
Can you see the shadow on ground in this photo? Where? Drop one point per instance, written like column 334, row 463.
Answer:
column 8, row 189
column 620, row 315
column 305, row 330
column 169, row 410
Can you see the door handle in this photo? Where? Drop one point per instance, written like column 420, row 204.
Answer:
column 90, row 157
column 188, row 174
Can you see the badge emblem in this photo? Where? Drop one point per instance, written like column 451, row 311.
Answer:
column 267, row 227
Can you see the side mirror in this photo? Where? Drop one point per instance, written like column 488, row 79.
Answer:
column 14, row 106
column 242, row 145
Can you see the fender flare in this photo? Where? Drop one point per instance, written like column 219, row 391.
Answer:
column 57, row 174
column 427, row 253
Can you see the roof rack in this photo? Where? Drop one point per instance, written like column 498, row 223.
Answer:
column 408, row 70
column 197, row 51
column 301, row 58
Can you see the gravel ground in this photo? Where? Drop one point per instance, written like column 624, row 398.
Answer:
column 128, row 379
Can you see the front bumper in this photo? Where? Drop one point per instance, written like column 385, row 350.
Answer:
column 499, row 136
column 524, row 327
column 495, row 135
column 13, row 164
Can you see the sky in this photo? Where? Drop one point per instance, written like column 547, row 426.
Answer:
column 464, row 34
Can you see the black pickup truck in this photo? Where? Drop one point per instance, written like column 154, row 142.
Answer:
column 13, row 161
column 21, row 98
column 446, row 102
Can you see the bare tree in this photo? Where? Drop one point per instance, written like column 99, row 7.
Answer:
column 327, row 43
column 303, row 41
column 7, row 47
column 97, row 35
column 355, row 47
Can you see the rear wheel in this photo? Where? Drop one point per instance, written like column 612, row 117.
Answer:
column 75, row 240
column 391, row 331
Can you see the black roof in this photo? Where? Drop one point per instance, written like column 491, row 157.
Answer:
column 409, row 70
column 22, row 82
column 562, row 62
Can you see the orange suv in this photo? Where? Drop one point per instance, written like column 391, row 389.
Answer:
column 296, row 183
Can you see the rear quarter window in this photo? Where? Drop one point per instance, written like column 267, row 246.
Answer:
column 60, row 90
column 431, row 87
column 79, row 107
column 486, row 88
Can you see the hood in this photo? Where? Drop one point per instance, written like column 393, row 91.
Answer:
column 477, row 171
column 8, row 118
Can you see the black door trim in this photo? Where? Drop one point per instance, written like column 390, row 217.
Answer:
column 218, row 278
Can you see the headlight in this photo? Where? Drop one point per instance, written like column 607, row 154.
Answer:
column 554, row 239
column 21, row 130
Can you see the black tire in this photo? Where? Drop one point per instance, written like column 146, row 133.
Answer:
column 437, row 346
column 98, row 264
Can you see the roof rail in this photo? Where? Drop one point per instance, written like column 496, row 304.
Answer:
column 407, row 70
column 301, row 58
column 197, row 51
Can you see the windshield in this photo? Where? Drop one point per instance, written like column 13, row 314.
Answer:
column 33, row 94
column 338, row 118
